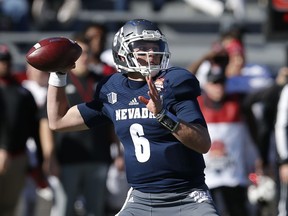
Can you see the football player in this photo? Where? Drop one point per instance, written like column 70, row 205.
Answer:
column 157, row 118
column 281, row 135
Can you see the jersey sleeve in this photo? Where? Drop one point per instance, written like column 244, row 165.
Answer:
column 189, row 111
column 93, row 112
column 181, row 92
column 92, row 115
column 183, row 84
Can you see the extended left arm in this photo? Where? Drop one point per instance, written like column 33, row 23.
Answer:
column 194, row 136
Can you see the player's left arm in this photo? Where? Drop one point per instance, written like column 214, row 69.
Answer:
column 194, row 136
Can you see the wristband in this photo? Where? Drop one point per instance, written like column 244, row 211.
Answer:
column 57, row 79
column 168, row 120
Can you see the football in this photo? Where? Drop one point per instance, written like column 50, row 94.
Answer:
column 53, row 54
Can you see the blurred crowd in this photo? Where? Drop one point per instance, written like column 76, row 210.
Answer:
column 240, row 102
column 245, row 106
column 39, row 15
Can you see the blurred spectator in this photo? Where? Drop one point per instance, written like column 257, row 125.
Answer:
column 228, row 48
column 51, row 166
column 281, row 135
column 262, row 104
column 14, row 15
column 234, row 29
column 84, row 156
column 55, row 14
column 37, row 83
column 117, row 184
column 19, row 112
column 228, row 54
column 231, row 39
column 241, row 76
column 217, row 56
column 36, row 183
column 233, row 154
column 96, row 34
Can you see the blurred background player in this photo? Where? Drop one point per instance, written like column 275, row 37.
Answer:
column 20, row 116
column 36, row 182
column 281, row 135
column 233, row 154
column 99, row 62
column 262, row 104
column 117, row 184
column 47, row 202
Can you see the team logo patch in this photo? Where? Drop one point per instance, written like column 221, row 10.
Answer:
column 159, row 84
column 112, row 97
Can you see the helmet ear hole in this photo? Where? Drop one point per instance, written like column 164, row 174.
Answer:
column 121, row 58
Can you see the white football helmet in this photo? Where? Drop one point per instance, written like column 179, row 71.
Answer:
column 133, row 32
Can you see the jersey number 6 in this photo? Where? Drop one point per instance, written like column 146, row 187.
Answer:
column 142, row 145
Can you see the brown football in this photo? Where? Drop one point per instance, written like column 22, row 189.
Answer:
column 53, row 54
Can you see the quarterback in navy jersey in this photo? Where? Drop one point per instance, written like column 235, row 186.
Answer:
column 157, row 118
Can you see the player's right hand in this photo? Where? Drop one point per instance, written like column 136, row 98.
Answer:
column 154, row 104
column 67, row 69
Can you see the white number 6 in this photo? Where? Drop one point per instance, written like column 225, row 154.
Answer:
column 142, row 145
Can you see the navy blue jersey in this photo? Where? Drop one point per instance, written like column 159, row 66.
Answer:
column 155, row 160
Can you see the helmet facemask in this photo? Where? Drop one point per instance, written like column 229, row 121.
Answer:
column 130, row 56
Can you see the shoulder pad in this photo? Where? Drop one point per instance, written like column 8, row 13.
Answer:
column 182, row 84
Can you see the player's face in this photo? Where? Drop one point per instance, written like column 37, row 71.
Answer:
column 82, row 62
column 95, row 37
column 145, row 53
